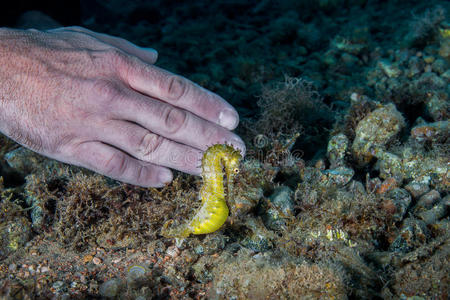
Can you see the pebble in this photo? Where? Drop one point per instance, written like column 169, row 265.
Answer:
column 173, row 251
column 432, row 132
column 110, row 288
column 258, row 239
column 388, row 68
column 434, row 214
column 12, row 267
column 439, row 66
column 96, row 261
column 375, row 131
column 58, row 285
column 401, row 199
column 339, row 176
column 44, row 269
column 417, row 189
column 337, row 149
column 136, row 277
column 282, row 207
column 413, row 234
column 427, row 200
column 87, row 258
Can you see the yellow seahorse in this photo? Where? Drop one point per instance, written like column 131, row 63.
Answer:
column 214, row 210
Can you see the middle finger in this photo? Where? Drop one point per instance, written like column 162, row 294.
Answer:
column 174, row 123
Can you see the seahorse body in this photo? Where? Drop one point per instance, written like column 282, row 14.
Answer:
column 214, row 210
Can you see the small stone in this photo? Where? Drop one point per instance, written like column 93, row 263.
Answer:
column 390, row 166
column 282, row 207
column 429, row 59
column 116, row 260
column 388, row 68
column 432, row 132
column 446, row 75
column 412, row 235
column 173, row 251
column 387, row 185
column 58, row 285
column 199, row 250
column 428, row 199
column 137, row 277
column 401, row 199
column 417, row 189
column 376, row 130
column 87, row 258
column 439, row 66
column 110, row 288
column 337, row 149
column 96, row 261
column 339, row 176
column 434, row 214
column 12, row 267
column 258, row 239
column 44, row 269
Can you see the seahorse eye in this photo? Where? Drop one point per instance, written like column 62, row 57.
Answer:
column 235, row 170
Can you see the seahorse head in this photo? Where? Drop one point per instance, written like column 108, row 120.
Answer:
column 232, row 159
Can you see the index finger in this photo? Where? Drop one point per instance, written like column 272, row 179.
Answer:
column 180, row 92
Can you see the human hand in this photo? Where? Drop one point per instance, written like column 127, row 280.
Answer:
column 98, row 101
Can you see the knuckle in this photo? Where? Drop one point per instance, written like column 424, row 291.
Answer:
column 115, row 165
column 149, row 145
column 75, row 28
column 174, row 87
column 141, row 175
column 117, row 59
column 106, row 89
column 174, row 119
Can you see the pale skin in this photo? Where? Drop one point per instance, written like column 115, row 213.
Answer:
column 98, row 101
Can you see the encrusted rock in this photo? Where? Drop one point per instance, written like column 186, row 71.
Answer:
column 339, row 176
column 281, row 207
column 336, row 150
column 14, row 235
column 437, row 106
column 258, row 238
column 375, row 131
column 23, row 160
column 427, row 200
column 417, row 189
column 434, row 214
column 401, row 200
column 413, row 234
column 390, row 166
column 388, row 68
column 432, row 132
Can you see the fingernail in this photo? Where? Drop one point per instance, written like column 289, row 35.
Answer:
column 228, row 119
column 165, row 176
column 238, row 143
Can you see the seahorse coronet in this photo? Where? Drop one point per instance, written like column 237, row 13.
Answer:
column 218, row 160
